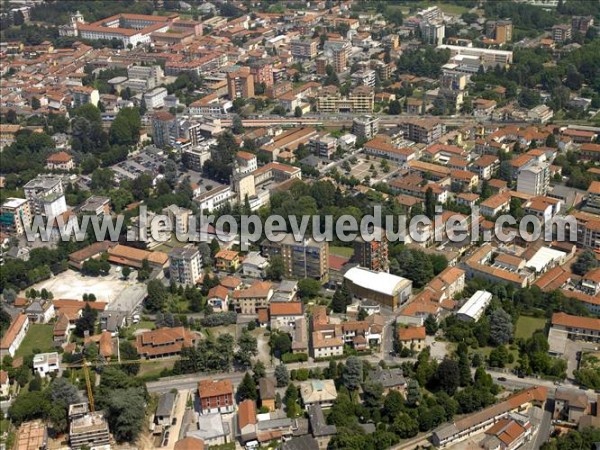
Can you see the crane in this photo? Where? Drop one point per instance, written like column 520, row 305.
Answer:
column 85, row 365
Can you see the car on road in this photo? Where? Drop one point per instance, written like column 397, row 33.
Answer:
column 501, row 378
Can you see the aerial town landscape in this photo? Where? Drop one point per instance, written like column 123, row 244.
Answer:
column 469, row 119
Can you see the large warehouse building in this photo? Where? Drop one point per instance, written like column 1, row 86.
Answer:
column 386, row 289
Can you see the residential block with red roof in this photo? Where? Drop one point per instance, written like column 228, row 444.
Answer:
column 14, row 336
column 164, row 342
column 216, row 396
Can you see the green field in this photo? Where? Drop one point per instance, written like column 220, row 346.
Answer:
column 527, row 325
column 346, row 252
column 448, row 8
column 39, row 337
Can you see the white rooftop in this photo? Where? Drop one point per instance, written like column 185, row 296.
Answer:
column 382, row 282
column 479, row 301
column 543, row 257
column 13, row 202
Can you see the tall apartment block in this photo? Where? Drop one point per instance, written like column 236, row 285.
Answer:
column 305, row 259
column 46, row 196
column 304, row 48
column 164, row 128
column 372, row 255
column 240, row 84
column 185, row 265
column 365, row 127
column 87, row 428
column 14, row 214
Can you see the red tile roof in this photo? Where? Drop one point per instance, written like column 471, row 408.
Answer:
column 286, row 309
column 411, row 333
column 214, row 388
column 569, row 321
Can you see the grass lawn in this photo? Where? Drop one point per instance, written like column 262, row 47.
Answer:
column 485, row 351
column 445, row 7
column 39, row 336
column 142, row 325
column 155, row 367
column 346, row 252
column 527, row 325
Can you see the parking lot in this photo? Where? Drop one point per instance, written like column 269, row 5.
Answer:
column 370, row 167
column 122, row 295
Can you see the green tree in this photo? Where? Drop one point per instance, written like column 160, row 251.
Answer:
column 276, row 269
column 297, row 111
column 247, row 389
column 126, row 412
column 501, row 327
column 405, row 426
column 86, row 322
column 353, row 373
column 448, row 376
column 281, row 375
column 308, row 288
column 585, row 262
column 157, row 296
column 248, row 349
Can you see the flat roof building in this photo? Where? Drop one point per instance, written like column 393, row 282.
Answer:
column 474, row 308
column 385, row 288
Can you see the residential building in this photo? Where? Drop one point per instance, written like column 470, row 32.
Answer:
column 433, row 32
column 228, row 260
column 305, row 258
column 60, row 161
column 461, row 429
column 213, row 199
column 495, row 205
column 283, row 315
column 500, row 31
column 383, row 148
column 390, row 379
column 321, row 431
column 130, row 29
column 474, row 308
column 246, row 421
column 164, row 129
column 372, row 255
column 267, row 389
column 323, row 146
column 570, row 405
column 96, row 205
column 255, row 265
column 135, row 257
column 185, row 265
column 581, row 24
column 534, row 178
column 218, row 298
column 40, row 311
column 412, row 338
column 386, row 289
column 425, row 131
column 360, row 100
column 165, row 409
column 164, row 342
column 240, row 84
column 250, row 300
column 83, row 95
column 561, row 33
column 44, row 190
column 364, row 77
column 590, row 282
column 540, row 114
column 14, row 335
column 15, row 215
column 87, row 428
column 365, row 127
column 45, row 363
column 508, row 434
column 155, row 98
column 303, row 48
column 577, row 328
column 216, row 396
column 318, row 392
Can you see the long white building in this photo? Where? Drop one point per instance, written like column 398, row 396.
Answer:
column 475, row 306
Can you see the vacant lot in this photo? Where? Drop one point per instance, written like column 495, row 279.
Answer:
column 123, row 295
column 346, row 252
column 527, row 325
column 38, row 337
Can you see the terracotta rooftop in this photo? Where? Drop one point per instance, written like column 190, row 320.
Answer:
column 214, row 388
column 569, row 321
column 13, row 330
column 247, row 413
column 286, row 309
column 411, row 333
